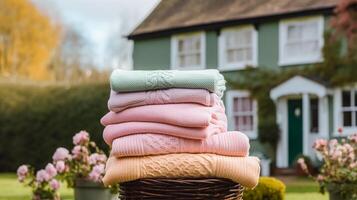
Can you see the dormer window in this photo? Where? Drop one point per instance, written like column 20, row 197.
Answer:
column 188, row 51
column 300, row 41
column 237, row 48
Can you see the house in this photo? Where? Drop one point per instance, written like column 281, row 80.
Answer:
column 234, row 35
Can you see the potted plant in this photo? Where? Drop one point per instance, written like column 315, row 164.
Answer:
column 44, row 184
column 338, row 173
column 83, row 168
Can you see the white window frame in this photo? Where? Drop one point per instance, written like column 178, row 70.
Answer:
column 223, row 65
column 174, row 51
column 230, row 95
column 338, row 113
column 283, row 26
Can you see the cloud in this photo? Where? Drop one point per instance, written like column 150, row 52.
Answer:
column 98, row 19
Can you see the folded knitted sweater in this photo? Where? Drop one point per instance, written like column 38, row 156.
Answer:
column 114, row 131
column 130, row 81
column 229, row 144
column 123, row 100
column 243, row 170
column 187, row 115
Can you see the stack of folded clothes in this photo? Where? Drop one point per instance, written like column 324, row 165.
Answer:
column 172, row 124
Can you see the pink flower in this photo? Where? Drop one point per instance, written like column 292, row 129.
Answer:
column 340, row 130
column 320, row 144
column 61, row 154
column 81, row 138
column 333, row 142
column 22, row 172
column 97, row 172
column 96, row 158
column 60, row 166
column 54, row 184
column 320, row 178
column 353, row 138
column 42, row 176
column 302, row 164
column 51, row 170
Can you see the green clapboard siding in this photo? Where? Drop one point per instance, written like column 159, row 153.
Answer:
column 295, row 129
column 152, row 54
column 211, row 50
column 268, row 44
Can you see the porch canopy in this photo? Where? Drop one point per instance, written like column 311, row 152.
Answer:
column 296, row 86
column 303, row 89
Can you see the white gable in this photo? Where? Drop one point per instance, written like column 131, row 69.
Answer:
column 298, row 85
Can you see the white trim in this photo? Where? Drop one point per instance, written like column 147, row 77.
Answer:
column 338, row 118
column 222, row 63
column 283, row 24
column 305, row 123
column 298, row 85
column 230, row 95
column 282, row 156
column 174, row 51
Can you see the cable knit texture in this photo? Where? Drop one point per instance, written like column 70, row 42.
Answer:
column 130, row 81
column 123, row 100
column 243, row 170
column 114, row 131
column 187, row 115
column 230, row 144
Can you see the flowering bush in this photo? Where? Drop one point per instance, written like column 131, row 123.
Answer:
column 44, row 184
column 340, row 164
column 85, row 161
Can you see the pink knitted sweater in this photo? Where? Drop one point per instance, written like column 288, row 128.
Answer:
column 121, row 101
column 184, row 114
column 114, row 131
column 229, row 143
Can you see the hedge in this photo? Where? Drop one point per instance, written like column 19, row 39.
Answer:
column 35, row 120
column 268, row 188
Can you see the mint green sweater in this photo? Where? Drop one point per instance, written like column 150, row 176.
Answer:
column 130, row 81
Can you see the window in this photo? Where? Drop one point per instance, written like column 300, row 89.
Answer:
column 349, row 108
column 237, row 48
column 242, row 112
column 300, row 41
column 187, row 51
column 314, row 115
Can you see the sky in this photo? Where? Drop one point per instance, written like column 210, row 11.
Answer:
column 99, row 20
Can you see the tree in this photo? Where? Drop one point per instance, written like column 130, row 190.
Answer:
column 27, row 40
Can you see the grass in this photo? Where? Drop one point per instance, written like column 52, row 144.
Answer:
column 302, row 188
column 11, row 189
column 297, row 189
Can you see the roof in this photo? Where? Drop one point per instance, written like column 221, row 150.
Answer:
column 175, row 15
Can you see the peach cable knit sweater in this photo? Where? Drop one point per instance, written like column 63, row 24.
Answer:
column 243, row 170
column 229, row 144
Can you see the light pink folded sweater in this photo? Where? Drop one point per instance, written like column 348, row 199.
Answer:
column 228, row 144
column 121, row 101
column 184, row 114
column 114, row 131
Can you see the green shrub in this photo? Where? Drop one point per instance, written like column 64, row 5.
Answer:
column 268, row 189
column 35, row 120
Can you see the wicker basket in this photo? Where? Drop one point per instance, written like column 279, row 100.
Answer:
column 181, row 189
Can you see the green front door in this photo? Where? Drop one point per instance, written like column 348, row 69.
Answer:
column 294, row 129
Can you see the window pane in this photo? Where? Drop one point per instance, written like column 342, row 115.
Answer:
column 355, row 119
column 236, row 104
column 346, row 98
column 294, row 33
column 347, row 118
column 355, row 97
column 314, row 116
column 310, row 31
column 310, row 47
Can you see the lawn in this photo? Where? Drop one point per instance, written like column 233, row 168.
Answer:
column 297, row 189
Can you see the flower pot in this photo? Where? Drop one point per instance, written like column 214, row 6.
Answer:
column 342, row 191
column 89, row 190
